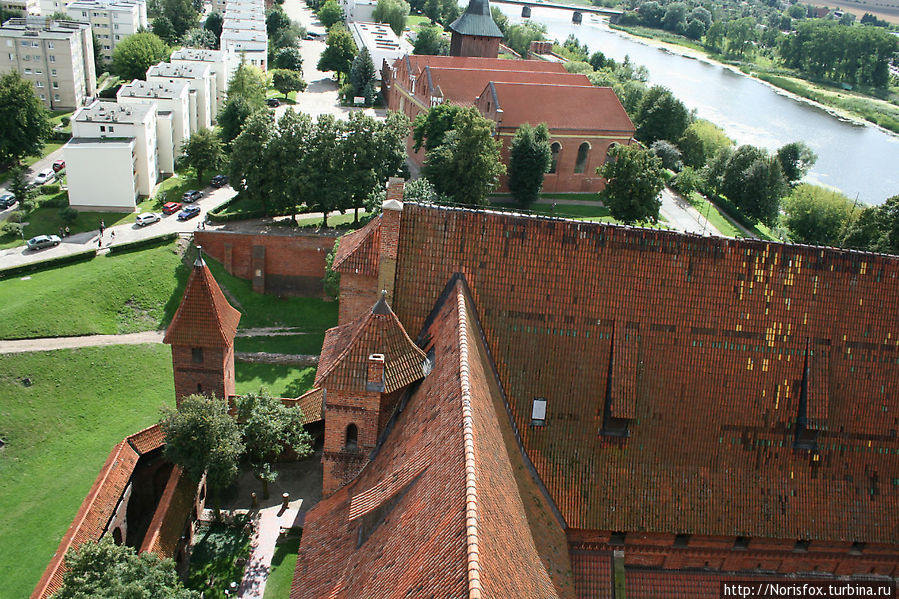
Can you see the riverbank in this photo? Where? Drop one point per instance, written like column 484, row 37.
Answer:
column 787, row 86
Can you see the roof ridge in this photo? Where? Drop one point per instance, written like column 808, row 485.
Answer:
column 471, row 489
column 359, row 323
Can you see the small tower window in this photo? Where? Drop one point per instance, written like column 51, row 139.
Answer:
column 538, row 412
column 742, row 543
column 199, row 388
column 352, row 437
column 681, row 540
column 196, row 355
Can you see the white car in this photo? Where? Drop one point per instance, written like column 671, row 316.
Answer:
column 146, row 219
column 44, row 177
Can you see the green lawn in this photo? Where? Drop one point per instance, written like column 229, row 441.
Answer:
column 592, row 213
column 281, row 381
column 117, row 293
column 214, row 555
column 57, row 434
column 283, row 563
column 309, row 344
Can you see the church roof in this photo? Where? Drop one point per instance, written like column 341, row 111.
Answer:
column 204, row 318
column 477, row 20
column 343, row 362
column 415, row 62
column 359, row 251
column 462, row 86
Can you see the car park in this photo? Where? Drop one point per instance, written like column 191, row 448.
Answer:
column 273, row 102
column 44, row 177
column 42, row 241
column 219, row 180
column 59, row 165
column 191, row 196
column 7, row 200
column 171, row 207
column 147, row 219
column 189, row 212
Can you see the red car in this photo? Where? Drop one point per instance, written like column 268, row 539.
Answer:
column 59, row 165
column 171, row 207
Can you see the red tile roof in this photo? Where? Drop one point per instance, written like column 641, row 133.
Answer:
column 310, row 403
column 593, row 574
column 149, row 439
column 359, row 251
column 418, row 62
column 462, row 86
column 343, row 363
column 204, row 317
column 721, row 328
column 171, row 516
column 573, row 107
column 438, row 512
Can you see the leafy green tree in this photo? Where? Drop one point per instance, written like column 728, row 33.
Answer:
column 104, row 570
column 24, row 121
column 519, row 37
column 420, row 190
column 268, row 426
column 198, row 37
column 287, row 81
column 330, row 14
column 695, row 29
column 652, row 13
column 816, row 215
column 392, row 12
column 163, row 28
column 714, row 36
column 250, row 83
column 432, row 11
column 466, row 166
column 529, row 161
column 634, row 180
column 449, row 11
column 340, row 50
column 668, row 154
column 675, row 18
column 362, row 72
column 661, row 116
column 796, row 159
column 430, row 40
column 287, row 153
column 430, row 127
column 275, row 20
column 288, row 58
column 754, row 182
column 203, row 151
column 252, row 171
column 201, row 437
column 863, row 230
column 136, row 53
column 214, row 23
column 701, row 141
column 702, row 15
column 500, row 18
column 233, row 116
column 18, row 184
column 325, row 166
column 740, row 35
column 688, row 181
column 182, row 14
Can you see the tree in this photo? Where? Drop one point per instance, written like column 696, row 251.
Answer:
column 651, row 13
column 252, row 172
column 330, row 13
column 500, row 18
column 661, row 116
column 289, row 58
column 430, row 127
column 701, row 141
column 863, row 230
column 430, row 40
column 340, row 50
column 163, row 28
column 519, row 37
column 137, row 53
column 18, row 185
column 796, row 159
column 740, row 35
column 203, row 151
column 634, row 180
column 214, row 23
column 675, row 18
column 420, row 190
column 529, row 160
column 816, row 215
column 182, row 15
column 715, row 35
column 668, row 154
column 287, row 81
column 250, row 83
column 325, row 166
column 104, row 570
column 268, row 426
column 233, row 116
column 362, row 72
column 201, row 437
column 466, row 166
column 288, row 155
column 275, row 20
column 392, row 12
column 754, row 182
column 199, row 38
column 23, row 120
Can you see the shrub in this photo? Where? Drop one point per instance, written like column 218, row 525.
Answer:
column 141, row 244
column 15, row 216
column 12, row 229
column 49, row 189
column 16, row 271
column 64, row 121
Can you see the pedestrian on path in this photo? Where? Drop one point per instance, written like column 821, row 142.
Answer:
column 102, row 226
column 67, row 232
column 99, row 242
column 112, row 236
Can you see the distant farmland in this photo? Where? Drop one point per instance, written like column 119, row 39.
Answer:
column 888, row 10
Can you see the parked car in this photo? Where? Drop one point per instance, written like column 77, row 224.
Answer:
column 171, row 207
column 59, row 165
column 42, row 241
column 44, row 177
column 191, row 196
column 273, row 102
column 147, row 219
column 7, row 200
column 220, row 180
column 188, row 212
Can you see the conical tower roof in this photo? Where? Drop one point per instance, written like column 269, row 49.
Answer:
column 477, row 20
column 204, row 317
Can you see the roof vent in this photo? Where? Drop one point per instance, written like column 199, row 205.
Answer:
column 538, row 412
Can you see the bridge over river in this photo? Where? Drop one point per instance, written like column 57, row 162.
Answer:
column 613, row 13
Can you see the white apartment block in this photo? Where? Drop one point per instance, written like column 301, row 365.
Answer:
column 112, row 157
column 253, row 45
column 218, row 66
column 172, row 100
column 57, row 57
column 112, row 20
column 358, row 10
column 25, row 7
column 202, row 84
column 382, row 43
column 244, row 24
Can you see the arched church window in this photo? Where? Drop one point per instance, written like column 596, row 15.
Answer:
column 582, row 153
column 555, row 149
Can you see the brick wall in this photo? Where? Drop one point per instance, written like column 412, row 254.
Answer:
column 214, row 375
column 284, row 265
column 358, row 293
column 342, row 464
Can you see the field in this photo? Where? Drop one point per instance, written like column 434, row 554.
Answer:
column 888, row 10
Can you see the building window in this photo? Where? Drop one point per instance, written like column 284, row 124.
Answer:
column 52, row 58
column 199, row 388
column 681, row 540
column 111, row 129
column 43, row 97
column 25, row 44
column 741, row 543
column 55, row 85
column 27, row 71
column 35, row 45
column 555, row 149
column 53, row 72
column 582, row 152
column 103, row 128
column 38, row 71
column 352, row 437
column 50, row 45
column 617, row 538
column 40, row 84
column 196, row 353
column 56, row 97
column 801, row 546
column 27, row 57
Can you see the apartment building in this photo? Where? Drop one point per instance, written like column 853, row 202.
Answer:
column 57, row 57
column 172, row 100
column 26, row 7
column 112, row 20
column 253, row 45
column 218, row 65
column 113, row 156
column 202, row 84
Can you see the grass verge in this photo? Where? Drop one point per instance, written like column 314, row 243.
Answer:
column 57, row 433
column 309, row 344
column 283, row 563
column 281, row 381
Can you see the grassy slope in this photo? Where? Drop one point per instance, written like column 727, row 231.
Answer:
column 310, row 344
column 58, row 433
column 281, row 381
column 283, row 563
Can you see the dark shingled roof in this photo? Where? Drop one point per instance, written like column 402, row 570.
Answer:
column 476, row 20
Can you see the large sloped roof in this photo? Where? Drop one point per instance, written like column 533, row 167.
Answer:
column 462, row 86
column 446, row 508
column 707, row 341
column 359, row 251
column 417, row 62
column 476, row 20
column 204, row 318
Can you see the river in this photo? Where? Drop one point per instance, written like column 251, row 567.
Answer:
column 860, row 161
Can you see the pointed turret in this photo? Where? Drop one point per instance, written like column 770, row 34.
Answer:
column 475, row 33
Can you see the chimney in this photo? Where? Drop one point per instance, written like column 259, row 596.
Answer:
column 375, row 380
column 392, row 211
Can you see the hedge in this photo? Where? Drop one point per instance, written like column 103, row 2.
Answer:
column 16, row 271
column 140, row 244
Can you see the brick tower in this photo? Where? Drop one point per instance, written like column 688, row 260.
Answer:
column 475, row 33
column 202, row 337
column 364, row 367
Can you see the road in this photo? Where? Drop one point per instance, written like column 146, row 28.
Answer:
column 682, row 216
column 44, row 163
